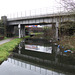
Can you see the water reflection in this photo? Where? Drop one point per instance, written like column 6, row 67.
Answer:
column 38, row 48
column 32, row 67
column 40, row 58
column 45, row 54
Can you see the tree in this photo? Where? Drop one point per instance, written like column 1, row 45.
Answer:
column 69, row 5
column 67, row 28
column 1, row 28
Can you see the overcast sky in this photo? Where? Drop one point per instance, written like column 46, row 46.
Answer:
column 17, row 7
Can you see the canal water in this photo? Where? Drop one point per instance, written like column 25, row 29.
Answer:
column 38, row 57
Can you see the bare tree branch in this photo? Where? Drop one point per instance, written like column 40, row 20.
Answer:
column 69, row 4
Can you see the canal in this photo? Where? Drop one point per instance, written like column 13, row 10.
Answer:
column 38, row 57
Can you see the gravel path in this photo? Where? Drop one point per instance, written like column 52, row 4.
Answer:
column 4, row 41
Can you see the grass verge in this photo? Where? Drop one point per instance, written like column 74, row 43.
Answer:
column 6, row 48
column 27, row 36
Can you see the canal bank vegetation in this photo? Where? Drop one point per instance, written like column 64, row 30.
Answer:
column 6, row 48
column 68, row 42
column 37, row 35
column 47, row 33
column 67, row 35
column 27, row 36
column 2, row 30
column 3, row 38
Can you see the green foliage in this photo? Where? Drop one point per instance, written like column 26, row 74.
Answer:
column 1, row 28
column 68, row 28
column 48, row 33
column 1, row 23
column 37, row 33
column 3, row 55
column 6, row 48
column 68, row 42
column 67, row 35
column 26, row 37
column 5, row 37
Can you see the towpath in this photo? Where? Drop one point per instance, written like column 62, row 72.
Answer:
column 6, row 40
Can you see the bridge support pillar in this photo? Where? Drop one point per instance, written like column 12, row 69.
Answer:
column 19, row 30
column 22, row 31
column 57, row 24
column 54, row 31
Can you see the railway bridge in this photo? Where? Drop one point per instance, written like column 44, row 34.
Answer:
column 49, row 19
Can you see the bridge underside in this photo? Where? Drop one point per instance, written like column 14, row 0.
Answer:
column 19, row 29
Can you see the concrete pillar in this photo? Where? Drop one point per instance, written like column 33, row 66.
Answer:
column 53, row 31
column 22, row 31
column 4, row 20
column 57, row 24
column 19, row 30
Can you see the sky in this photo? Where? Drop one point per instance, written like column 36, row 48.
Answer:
column 14, row 8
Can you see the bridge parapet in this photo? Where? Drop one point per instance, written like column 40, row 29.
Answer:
column 42, row 19
column 61, row 14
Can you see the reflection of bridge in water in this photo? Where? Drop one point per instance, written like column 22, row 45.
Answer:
column 33, row 67
column 39, row 64
column 54, row 61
